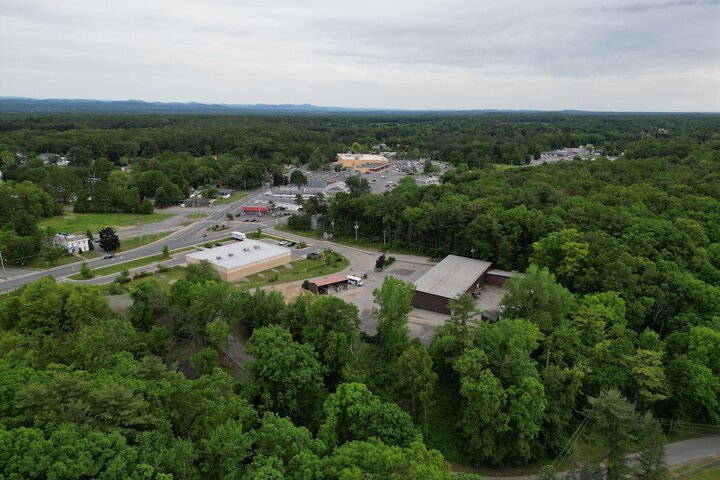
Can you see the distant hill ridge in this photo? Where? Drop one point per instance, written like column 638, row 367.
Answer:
column 63, row 105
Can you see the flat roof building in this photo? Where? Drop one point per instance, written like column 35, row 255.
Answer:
column 362, row 163
column 448, row 279
column 240, row 259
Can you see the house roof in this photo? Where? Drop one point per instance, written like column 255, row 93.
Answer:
column 452, row 276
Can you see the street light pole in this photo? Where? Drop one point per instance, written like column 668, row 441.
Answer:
column 356, row 231
column 3, row 266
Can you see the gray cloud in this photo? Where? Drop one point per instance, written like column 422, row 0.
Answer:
column 645, row 7
column 469, row 54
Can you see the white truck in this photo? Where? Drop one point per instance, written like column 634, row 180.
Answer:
column 353, row 280
column 238, row 236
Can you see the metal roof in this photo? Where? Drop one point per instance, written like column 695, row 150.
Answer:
column 500, row 273
column 321, row 282
column 452, row 276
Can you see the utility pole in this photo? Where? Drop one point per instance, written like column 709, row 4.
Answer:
column 3, row 266
column 356, row 231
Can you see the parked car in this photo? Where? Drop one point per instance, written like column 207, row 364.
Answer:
column 108, row 256
column 282, row 243
column 291, row 244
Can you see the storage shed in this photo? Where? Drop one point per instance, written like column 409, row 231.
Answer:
column 446, row 280
column 327, row 284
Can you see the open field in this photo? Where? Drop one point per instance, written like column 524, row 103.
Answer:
column 135, row 242
column 82, row 222
column 232, row 198
column 40, row 262
column 710, row 474
column 119, row 267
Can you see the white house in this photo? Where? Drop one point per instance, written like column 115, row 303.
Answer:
column 72, row 243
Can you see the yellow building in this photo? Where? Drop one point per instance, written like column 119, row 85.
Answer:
column 362, row 163
column 240, row 259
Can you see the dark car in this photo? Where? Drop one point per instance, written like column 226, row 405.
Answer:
column 291, row 244
column 313, row 256
column 108, row 256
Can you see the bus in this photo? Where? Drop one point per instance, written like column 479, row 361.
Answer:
column 353, row 280
column 238, row 235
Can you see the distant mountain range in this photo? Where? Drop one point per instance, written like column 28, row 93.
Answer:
column 63, row 105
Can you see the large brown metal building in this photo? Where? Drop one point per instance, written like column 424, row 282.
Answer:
column 451, row 277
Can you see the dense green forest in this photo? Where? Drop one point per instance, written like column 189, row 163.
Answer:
column 614, row 331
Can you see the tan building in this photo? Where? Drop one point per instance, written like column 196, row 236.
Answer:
column 242, row 258
column 362, row 163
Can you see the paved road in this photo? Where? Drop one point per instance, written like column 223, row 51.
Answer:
column 676, row 453
column 190, row 235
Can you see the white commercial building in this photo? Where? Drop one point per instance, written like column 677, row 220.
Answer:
column 240, row 259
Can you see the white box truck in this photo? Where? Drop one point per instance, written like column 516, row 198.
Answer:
column 353, row 280
column 238, row 235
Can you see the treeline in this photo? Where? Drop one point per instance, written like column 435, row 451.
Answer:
column 646, row 228
column 472, row 139
column 85, row 393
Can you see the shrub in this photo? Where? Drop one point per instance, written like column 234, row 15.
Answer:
column 306, row 284
column 124, row 277
column 86, row 271
column 115, row 289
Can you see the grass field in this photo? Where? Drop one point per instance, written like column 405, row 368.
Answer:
column 710, row 474
column 232, row 198
column 303, row 233
column 82, row 222
column 66, row 260
column 301, row 270
column 119, row 267
column 135, row 242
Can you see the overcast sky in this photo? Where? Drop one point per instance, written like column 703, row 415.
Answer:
column 461, row 54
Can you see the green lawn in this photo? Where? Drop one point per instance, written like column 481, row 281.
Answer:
column 366, row 243
column 710, row 474
column 66, row 260
column 82, row 222
column 135, row 242
column 119, row 267
column 301, row 270
column 232, row 198
column 303, row 233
